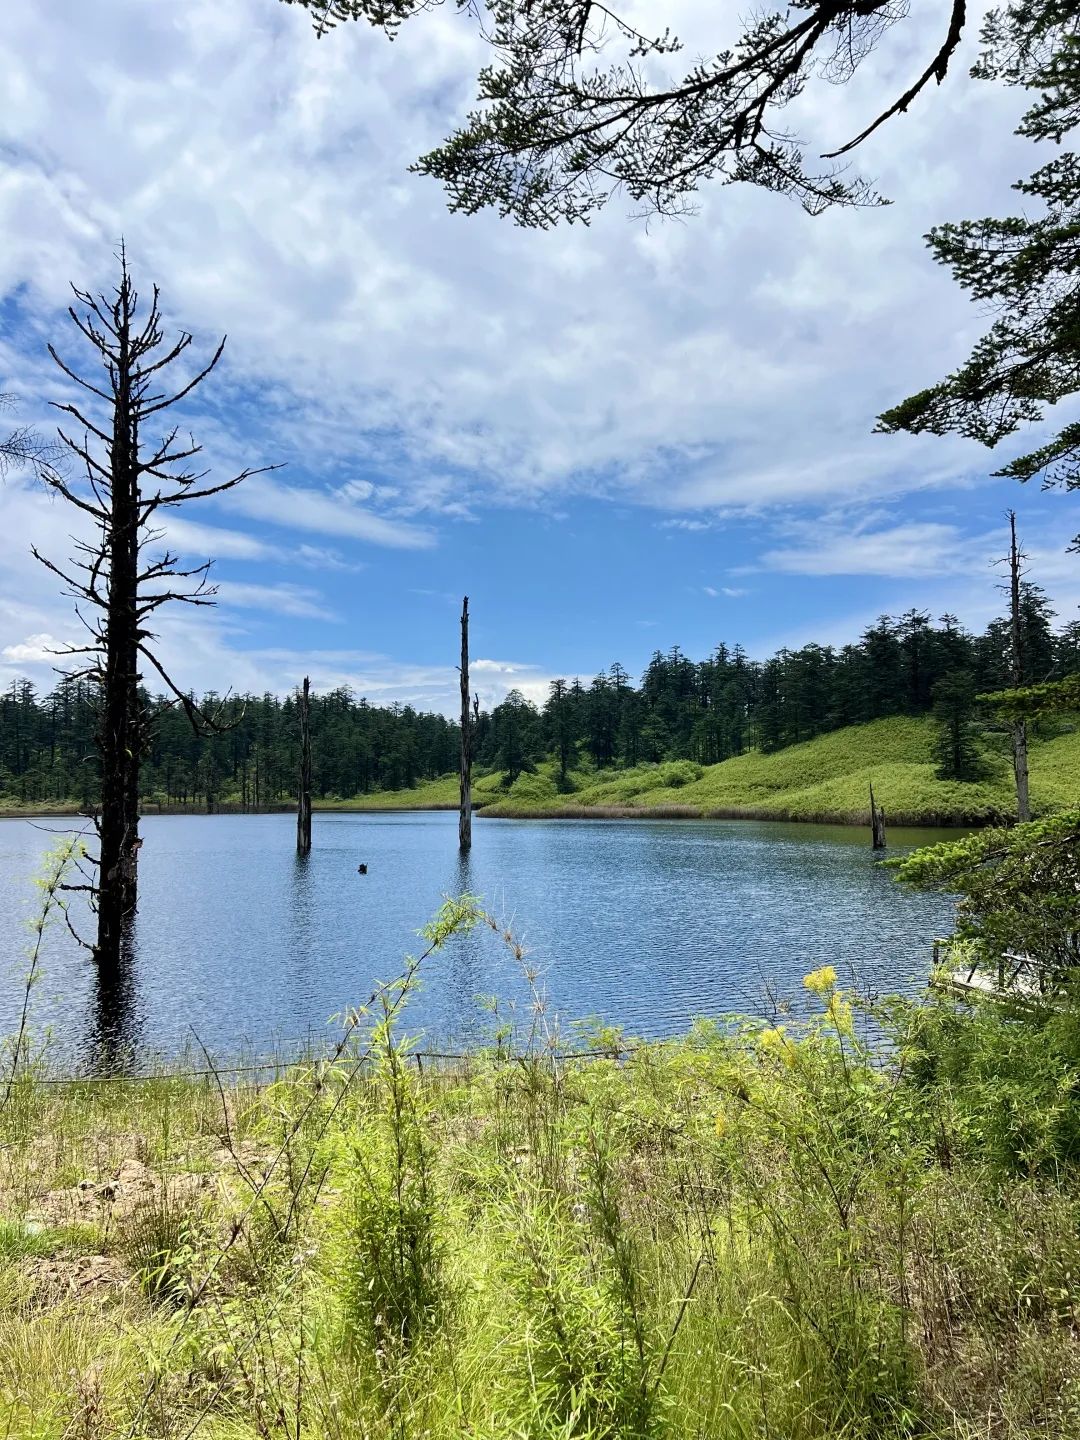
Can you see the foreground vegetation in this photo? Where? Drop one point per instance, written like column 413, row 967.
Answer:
column 825, row 779
column 754, row 1231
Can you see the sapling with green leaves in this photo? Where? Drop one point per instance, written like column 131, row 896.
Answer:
column 1019, row 889
column 59, row 863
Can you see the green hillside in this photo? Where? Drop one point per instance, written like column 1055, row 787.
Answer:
column 826, row 779
column 441, row 794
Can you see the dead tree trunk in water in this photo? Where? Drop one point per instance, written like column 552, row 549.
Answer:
column 303, row 807
column 125, row 487
column 465, row 816
column 877, row 823
column 1016, row 674
column 119, row 741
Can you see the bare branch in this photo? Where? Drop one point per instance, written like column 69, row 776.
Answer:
column 187, row 389
column 936, row 70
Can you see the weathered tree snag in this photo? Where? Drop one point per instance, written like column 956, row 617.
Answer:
column 303, row 807
column 119, row 742
column 123, row 485
column 465, row 815
column 1016, row 668
column 877, row 823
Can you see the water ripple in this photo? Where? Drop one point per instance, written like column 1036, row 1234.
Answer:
column 644, row 925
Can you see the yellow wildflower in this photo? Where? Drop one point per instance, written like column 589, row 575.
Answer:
column 721, row 1125
column 839, row 1012
column 774, row 1041
column 822, row 981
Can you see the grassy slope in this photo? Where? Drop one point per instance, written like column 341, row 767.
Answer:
column 441, row 794
column 823, row 779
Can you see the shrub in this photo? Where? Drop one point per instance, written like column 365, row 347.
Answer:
column 1004, row 1081
column 533, row 788
column 674, row 774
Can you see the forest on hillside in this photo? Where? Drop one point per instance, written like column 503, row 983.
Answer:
column 705, row 711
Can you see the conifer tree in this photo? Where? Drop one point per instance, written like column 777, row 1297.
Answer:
column 1022, row 269
column 956, row 747
column 576, row 104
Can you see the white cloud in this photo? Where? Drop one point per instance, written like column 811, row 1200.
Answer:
column 471, row 359
column 190, row 538
column 322, row 557
column 296, row 507
column 906, row 549
column 691, row 526
column 34, row 650
column 274, row 599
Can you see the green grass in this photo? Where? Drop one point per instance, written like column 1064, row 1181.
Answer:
column 741, row 1234
column 440, row 794
column 825, row 779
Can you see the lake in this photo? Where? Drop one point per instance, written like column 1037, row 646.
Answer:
column 642, row 924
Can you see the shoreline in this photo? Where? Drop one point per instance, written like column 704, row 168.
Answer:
column 848, row 819
column 497, row 811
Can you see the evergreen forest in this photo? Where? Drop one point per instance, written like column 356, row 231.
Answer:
column 705, row 711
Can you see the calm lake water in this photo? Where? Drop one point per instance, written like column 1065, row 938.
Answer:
column 642, row 924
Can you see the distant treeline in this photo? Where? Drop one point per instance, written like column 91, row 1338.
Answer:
column 704, row 711
column 47, row 749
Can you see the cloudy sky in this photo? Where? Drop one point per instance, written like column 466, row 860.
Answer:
column 615, row 439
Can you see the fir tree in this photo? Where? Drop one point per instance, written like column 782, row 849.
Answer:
column 1022, row 269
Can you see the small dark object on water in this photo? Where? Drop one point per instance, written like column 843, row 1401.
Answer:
column 361, row 869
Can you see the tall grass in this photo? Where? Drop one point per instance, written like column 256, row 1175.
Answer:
column 750, row 1232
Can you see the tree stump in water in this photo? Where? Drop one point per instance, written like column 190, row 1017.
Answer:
column 303, row 805
column 877, row 823
column 465, row 810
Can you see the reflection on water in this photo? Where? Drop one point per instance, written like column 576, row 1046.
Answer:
column 642, row 924
column 116, row 1015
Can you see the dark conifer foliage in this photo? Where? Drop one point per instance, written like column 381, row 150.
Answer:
column 956, row 747
column 577, row 103
column 703, row 711
column 1021, row 269
column 47, row 750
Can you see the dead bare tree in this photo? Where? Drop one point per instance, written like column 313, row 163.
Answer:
column 465, row 816
column 1016, row 673
column 121, row 577
column 303, row 805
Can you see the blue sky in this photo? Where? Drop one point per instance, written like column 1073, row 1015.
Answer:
column 615, row 439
